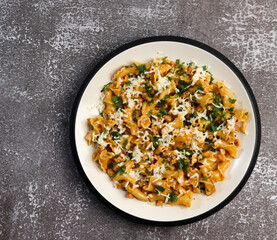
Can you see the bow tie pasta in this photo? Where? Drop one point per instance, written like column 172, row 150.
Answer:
column 166, row 130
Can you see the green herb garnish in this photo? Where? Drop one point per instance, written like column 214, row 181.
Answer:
column 172, row 197
column 106, row 87
column 164, row 60
column 124, row 143
column 232, row 100
column 183, row 165
column 91, row 127
column 160, row 189
column 200, row 87
column 155, row 141
column 141, row 68
column 117, row 101
column 150, row 113
column 147, row 172
column 205, row 178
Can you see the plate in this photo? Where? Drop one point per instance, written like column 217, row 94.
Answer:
column 144, row 50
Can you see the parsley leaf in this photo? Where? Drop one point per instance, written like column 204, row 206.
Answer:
column 200, row 87
column 162, row 112
column 122, row 170
column 106, row 87
column 128, row 83
column 160, row 189
column 183, row 165
column 91, row 127
column 141, row 68
column 155, row 141
column 164, row 60
column 213, row 126
column 232, row 100
column 148, row 90
column 205, row 178
column 117, row 101
column 124, row 143
column 110, row 166
column 147, row 172
column 150, row 113
column 216, row 111
column 172, row 197
column 116, row 135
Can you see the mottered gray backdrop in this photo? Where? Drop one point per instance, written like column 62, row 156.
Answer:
column 48, row 47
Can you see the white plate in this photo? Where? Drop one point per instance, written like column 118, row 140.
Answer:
column 143, row 51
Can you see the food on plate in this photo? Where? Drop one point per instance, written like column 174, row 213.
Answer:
column 166, row 130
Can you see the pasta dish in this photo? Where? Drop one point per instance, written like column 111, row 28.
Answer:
column 166, row 130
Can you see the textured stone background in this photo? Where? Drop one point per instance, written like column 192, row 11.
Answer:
column 48, row 47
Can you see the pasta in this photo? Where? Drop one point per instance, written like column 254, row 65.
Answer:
column 166, row 130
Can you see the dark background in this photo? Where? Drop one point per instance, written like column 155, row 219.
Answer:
column 47, row 48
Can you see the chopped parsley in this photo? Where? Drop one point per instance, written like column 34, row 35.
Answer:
column 164, row 60
column 150, row 113
column 155, row 141
column 122, row 170
column 205, row 178
column 135, row 120
column 128, row 83
column 166, row 96
column 190, row 64
column 183, row 165
column 205, row 68
column 194, row 99
column 116, row 135
column 91, row 127
column 246, row 113
column 200, row 87
column 172, row 197
column 106, row 87
column 160, row 189
column 231, row 110
column 213, row 126
column 182, row 87
column 186, row 123
column 117, row 101
column 110, row 165
column 232, row 100
column 162, row 112
column 212, row 79
column 148, row 90
column 124, row 143
column 163, row 102
column 147, row 172
column 167, row 167
column 141, row 68
column 216, row 111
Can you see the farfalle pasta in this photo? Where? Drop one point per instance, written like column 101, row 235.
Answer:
column 166, row 130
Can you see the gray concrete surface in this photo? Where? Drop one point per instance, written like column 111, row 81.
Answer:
column 48, row 47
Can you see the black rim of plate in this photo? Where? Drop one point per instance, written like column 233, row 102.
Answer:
column 209, row 50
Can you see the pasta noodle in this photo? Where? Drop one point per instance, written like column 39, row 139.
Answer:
column 166, row 130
